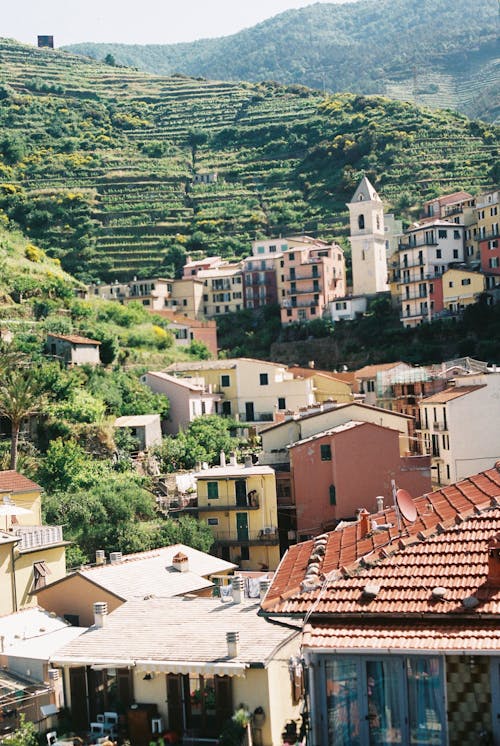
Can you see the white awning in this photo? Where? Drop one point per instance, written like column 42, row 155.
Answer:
column 95, row 663
column 185, row 667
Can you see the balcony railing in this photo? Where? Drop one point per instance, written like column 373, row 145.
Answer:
column 266, row 536
column 32, row 537
column 217, row 504
column 302, row 291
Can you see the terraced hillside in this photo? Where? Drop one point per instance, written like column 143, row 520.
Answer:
column 97, row 163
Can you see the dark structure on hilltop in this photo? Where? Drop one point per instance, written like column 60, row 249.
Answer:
column 46, row 42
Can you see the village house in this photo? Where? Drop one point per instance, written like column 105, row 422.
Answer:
column 327, row 386
column 238, row 503
column 251, row 390
column 31, row 554
column 169, row 571
column 374, row 381
column 145, row 429
column 183, row 666
column 189, row 398
column 73, row 349
column 338, row 471
column 488, row 236
column 459, row 426
column 187, row 330
column 400, row 642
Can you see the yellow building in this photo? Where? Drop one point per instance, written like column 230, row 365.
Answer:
column 239, row 504
column 30, row 554
column 326, row 386
column 461, row 287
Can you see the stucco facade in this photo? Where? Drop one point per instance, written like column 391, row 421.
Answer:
column 189, row 398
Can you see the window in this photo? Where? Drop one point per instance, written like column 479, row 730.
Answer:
column 370, row 386
column 72, row 619
column 438, row 253
column 212, row 490
column 455, row 253
column 40, row 572
column 313, row 311
column 333, row 496
column 226, row 408
column 361, row 222
column 466, row 281
column 493, row 262
column 456, row 235
column 442, row 233
column 325, row 452
column 450, row 284
column 281, row 402
column 264, row 379
column 291, row 257
column 213, row 521
column 225, row 380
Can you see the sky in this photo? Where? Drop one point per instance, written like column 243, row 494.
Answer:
column 133, row 21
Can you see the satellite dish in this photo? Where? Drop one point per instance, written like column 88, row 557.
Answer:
column 406, row 506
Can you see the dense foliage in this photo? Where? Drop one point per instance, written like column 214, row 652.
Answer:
column 435, row 51
column 97, row 161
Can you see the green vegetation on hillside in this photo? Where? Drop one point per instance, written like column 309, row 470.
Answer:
column 440, row 53
column 97, row 162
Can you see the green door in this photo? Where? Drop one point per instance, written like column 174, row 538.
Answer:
column 242, row 526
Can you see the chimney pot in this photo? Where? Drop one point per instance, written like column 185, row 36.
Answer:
column 222, row 458
column 233, row 643
column 115, row 557
column 380, row 503
column 364, row 523
column 248, row 462
column 180, row 562
column 232, row 459
column 237, row 588
column 100, row 557
column 100, row 613
column 264, row 586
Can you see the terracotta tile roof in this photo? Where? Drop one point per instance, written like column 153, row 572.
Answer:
column 448, row 637
column 370, row 371
column 320, row 413
column 345, row 548
column 450, row 198
column 448, row 394
column 310, row 372
column 12, row 481
column 75, row 339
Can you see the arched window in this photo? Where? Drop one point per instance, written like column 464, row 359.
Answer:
column 361, row 222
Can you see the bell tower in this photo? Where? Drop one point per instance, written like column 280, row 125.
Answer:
column 369, row 260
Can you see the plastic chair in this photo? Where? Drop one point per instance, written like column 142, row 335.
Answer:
column 156, row 725
column 96, row 729
column 51, row 737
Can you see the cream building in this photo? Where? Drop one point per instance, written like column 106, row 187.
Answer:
column 251, row 390
column 460, row 427
column 461, row 287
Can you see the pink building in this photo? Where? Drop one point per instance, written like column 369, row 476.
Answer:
column 340, row 470
column 310, row 276
column 189, row 398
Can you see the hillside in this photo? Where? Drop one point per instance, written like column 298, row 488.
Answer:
column 97, row 162
column 441, row 53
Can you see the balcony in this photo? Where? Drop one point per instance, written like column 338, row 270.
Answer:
column 442, row 426
column 34, row 537
column 265, row 537
column 217, row 505
column 302, row 291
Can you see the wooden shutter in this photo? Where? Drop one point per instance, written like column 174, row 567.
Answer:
column 125, row 687
column 223, row 700
column 174, row 703
column 78, row 686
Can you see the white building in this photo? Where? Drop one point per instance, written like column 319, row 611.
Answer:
column 189, row 398
column 460, row 427
column 367, row 237
column 348, row 308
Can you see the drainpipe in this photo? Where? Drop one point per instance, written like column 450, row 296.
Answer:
column 13, row 581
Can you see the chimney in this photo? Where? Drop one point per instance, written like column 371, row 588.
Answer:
column 237, row 588
column 180, row 562
column 248, row 462
column 264, row 586
column 380, row 503
column 311, row 364
column 100, row 557
column 115, row 557
column 100, row 614
column 232, row 459
column 494, row 561
column 364, row 523
column 233, row 643
column 222, row 458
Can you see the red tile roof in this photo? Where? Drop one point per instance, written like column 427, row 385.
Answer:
column 75, row 339
column 370, row 371
column 12, row 481
column 345, row 548
column 448, row 394
column 448, row 637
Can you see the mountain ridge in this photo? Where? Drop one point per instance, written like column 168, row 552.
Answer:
column 438, row 53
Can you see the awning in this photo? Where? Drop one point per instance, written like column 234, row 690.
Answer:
column 226, row 668
column 96, row 663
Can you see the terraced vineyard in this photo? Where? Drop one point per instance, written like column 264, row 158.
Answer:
column 97, row 162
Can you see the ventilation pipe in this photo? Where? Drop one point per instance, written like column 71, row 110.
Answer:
column 100, row 614
column 237, row 588
column 380, row 503
column 233, row 644
column 100, row 557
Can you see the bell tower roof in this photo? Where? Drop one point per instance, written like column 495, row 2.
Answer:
column 365, row 192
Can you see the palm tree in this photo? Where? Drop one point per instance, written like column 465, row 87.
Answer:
column 20, row 397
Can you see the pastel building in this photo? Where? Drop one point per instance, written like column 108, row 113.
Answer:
column 238, row 503
column 189, row 398
column 343, row 469
column 73, row 349
column 31, row 554
column 250, row 390
column 488, row 236
column 459, row 427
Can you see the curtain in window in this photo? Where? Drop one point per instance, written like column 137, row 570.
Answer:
column 342, row 702
column 385, row 706
column 425, row 701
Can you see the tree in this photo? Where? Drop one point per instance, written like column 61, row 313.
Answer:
column 20, row 397
column 110, row 60
column 24, row 735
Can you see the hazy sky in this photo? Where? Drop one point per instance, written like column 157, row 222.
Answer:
column 134, row 21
